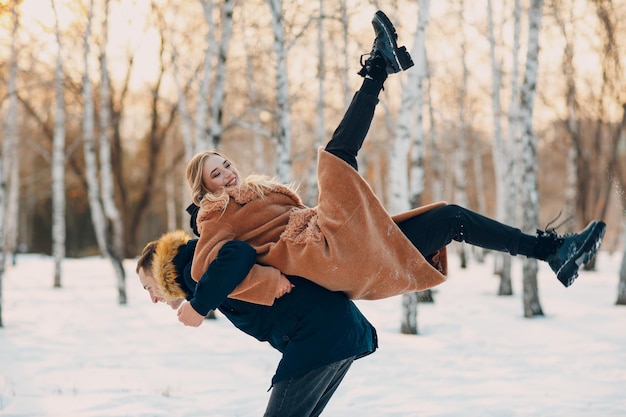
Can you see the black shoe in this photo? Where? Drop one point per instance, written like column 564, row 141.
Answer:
column 386, row 57
column 574, row 250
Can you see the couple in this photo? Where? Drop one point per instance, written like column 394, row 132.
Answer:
column 256, row 238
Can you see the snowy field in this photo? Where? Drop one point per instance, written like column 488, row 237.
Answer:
column 74, row 352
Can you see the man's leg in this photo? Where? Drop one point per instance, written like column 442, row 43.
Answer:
column 307, row 395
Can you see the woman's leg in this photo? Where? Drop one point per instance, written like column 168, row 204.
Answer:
column 436, row 228
column 350, row 134
column 385, row 58
column 307, row 395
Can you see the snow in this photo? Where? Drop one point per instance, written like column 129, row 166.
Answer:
column 75, row 352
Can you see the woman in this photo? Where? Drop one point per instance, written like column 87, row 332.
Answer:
column 348, row 242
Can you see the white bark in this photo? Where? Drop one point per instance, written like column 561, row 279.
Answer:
column 320, row 127
column 106, row 172
column 530, row 197
column 91, row 168
column 460, row 154
column 621, row 286
column 58, row 161
column 10, row 151
column 512, row 171
column 219, row 88
column 201, row 138
column 416, row 171
column 408, row 143
column 407, row 184
column 282, row 135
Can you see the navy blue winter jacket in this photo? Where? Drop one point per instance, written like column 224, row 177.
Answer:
column 311, row 326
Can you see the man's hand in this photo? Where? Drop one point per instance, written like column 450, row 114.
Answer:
column 284, row 286
column 188, row 316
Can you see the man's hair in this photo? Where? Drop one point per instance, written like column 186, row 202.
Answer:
column 147, row 257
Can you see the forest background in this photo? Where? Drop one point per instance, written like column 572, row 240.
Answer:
column 515, row 109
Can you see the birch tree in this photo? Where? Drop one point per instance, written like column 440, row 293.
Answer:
column 91, row 167
column 202, row 106
column 282, row 136
column 219, row 87
column 460, row 154
column 320, row 126
column 501, row 152
column 2, row 252
column 10, row 132
column 10, row 151
column 106, row 173
column 58, row 160
column 530, row 197
column 407, row 181
column 511, row 188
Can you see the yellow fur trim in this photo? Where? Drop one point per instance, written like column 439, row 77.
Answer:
column 163, row 269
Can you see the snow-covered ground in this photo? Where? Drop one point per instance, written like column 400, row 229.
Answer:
column 75, row 352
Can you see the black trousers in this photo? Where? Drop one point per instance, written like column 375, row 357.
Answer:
column 434, row 229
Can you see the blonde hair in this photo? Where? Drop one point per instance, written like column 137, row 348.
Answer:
column 200, row 194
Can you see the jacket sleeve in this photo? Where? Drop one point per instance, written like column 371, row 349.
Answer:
column 234, row 274
column 234, row 261
column 259, row 285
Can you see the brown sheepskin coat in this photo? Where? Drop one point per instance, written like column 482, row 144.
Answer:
column 348, row 242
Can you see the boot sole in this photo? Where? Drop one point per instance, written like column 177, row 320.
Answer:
column 402, row 58
column 568, row 272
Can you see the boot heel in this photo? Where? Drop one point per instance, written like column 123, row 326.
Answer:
column 404, row 58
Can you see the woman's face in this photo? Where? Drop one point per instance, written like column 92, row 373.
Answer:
column 218, row 172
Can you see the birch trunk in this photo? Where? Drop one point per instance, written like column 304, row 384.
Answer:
column 91, row 167
column 58, row 161
column 530, row 197
column 460, row 155
column 621, row 286
column 407, row 182
column 202, row 141
column 282, row 135
column 219, row 88
column 2, row 253
column 320, row 127
column 106, row 172
column 500, row 152
column 10, row 152
column 512, row 167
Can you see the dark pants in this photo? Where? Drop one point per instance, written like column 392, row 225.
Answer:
column 432, row 230
column 308, row 394
column 436, row 228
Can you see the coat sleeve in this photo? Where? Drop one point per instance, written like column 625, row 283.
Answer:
column 234, row 261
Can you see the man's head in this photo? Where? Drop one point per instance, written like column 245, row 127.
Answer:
column 158, row 272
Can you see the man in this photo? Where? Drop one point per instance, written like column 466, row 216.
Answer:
column 319, row 332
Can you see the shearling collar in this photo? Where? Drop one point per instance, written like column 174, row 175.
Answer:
column 245, row 193
column 168, row 265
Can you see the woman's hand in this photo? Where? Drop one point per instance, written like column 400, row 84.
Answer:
column 188, row 316
column 284, row 286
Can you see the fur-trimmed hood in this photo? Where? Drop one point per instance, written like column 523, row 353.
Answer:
column 172, row 256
